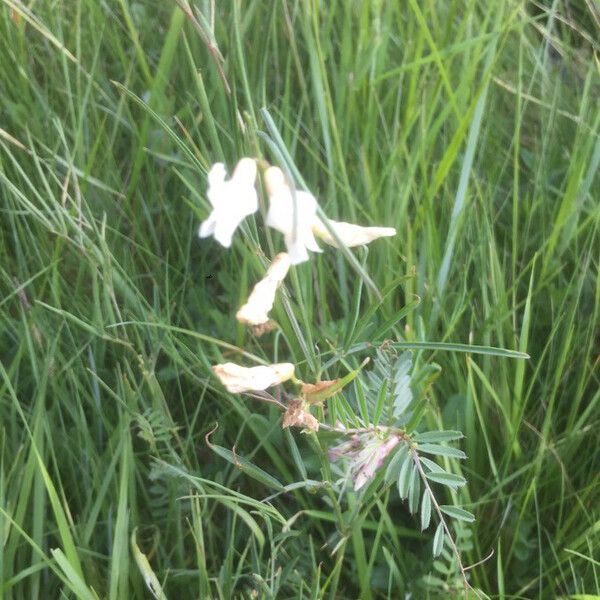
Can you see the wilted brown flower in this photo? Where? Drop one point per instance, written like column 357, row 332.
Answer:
column 256, row 310
column 297, row 415
column 238, row 379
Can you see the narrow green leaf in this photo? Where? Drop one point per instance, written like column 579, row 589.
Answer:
column 438, row 540
column 396, row 463
column 431, row 465
column 383, row 329
column 425, row 510
column 248, row 520
column 354, row 314
column 441, row 450
column 417, row 414
column 462, row 197
column 380, row 404
column 435, row 346
column 119, row 568
column 295, row 453
column 471, row 349
column 438, row 436
column 73, row 578
column 150, row 578
column 404, row 479
column 373, row 307
column 457, row 513
column 445, row 478
column 245, row 465
column 62, row 520
column 414, row 493
column 311, row 485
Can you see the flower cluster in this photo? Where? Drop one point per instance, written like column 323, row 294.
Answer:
column 293, row 213
column 366, row 452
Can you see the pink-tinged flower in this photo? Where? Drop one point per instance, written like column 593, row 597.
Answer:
column 238, row 379
column 292, row 212
column 231, row 200
column 373, row 460
column 256, row 310
column 347, row 449
column 366, row 453
column 350, row 234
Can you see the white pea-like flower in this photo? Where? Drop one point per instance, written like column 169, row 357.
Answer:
column 293, row 214
column 238, row 379
column 231, row 200
column 260, row 302
column 349, row 233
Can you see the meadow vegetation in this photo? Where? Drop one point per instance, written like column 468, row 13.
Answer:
column 472, row 128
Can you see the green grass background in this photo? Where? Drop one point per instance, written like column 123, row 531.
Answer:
column 473, row 128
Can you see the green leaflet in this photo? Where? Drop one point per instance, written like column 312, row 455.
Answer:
column 445, row 478
column 441, row 450
column 457, row 513
column 245, row 465
column 425, row 510
column 438, row 540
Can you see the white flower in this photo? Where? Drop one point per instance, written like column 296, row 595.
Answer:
column 239, row 379
column 291, row 213
column 231, row 200
column 260, row 302
column 350, row 234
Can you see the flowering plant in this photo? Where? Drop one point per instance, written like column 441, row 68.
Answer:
column 385, row 443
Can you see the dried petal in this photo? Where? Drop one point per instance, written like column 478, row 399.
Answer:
column 260, row 302
column 312, row 388
column 238, row 379
column 318, row 392
column 297, row 415
column 263, row 328
column 350, row 234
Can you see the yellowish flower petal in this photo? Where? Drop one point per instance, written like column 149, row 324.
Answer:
column 350, row 234
column 238, row 379
column 260, row 302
